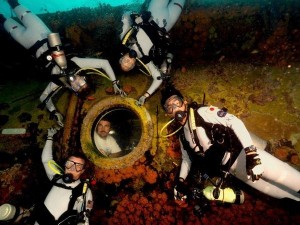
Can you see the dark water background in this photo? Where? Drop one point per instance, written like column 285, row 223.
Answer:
column 240, row 30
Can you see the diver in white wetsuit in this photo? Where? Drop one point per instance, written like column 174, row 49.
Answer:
column 67, row 70
column 222, row 142
column 146, row 40
column 61, row 201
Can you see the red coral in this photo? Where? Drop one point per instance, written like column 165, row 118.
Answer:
column 150, row 176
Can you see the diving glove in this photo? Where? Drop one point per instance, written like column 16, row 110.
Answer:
column 118, row 89
column 141, row 100
column 253, row 164
column 180, row 191
column 51, row 132
column 58, row 117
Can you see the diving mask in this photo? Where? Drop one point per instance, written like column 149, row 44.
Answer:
column 77, row 83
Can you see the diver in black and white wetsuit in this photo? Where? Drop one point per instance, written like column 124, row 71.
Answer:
column 61, row 201
column 146, row 40
column 67, row 70
column 221, row 141
column 69, row 199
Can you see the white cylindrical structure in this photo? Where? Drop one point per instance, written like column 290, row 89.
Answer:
column 57, row 53
column 54, row 40
column 7, row 212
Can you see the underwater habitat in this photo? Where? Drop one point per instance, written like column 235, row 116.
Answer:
column 235, row 54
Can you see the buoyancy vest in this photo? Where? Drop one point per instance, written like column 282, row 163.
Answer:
column 62, row 81
column 69, row 217
column 44, row 62
column 159, row 37
column 223, row 140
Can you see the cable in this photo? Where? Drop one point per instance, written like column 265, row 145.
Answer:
column 164, row 127
column 55, row 167
column 148, row 73
column 96, row 71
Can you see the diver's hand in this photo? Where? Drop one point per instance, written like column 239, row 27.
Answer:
column 58, row 117
column 180, row 191
column 142, row 99
column 118, row 89
column 51, row 132
column 138, row 20
column 253, row 164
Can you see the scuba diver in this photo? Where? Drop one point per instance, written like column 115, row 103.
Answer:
column 67, row 70
column 69, row 200
column 145, row 40
column 218, row 144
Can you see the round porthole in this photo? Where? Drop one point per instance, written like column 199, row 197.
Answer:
column 116, row 132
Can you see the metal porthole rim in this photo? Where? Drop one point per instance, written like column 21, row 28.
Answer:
column 101, row 107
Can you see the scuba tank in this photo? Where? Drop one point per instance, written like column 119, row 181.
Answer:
column 8, row 212
column 57, row 52
column 225, row 195
column 14, row 214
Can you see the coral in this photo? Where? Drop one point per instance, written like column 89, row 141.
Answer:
column 139, row 209
column 136, row 172
column 12, row 182
column 282, row 153
column 294, row 159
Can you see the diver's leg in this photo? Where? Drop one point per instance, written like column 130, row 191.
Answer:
column 26, row 36
column 32, row 22
column 166, row 14
column 279, row 180
column 157, row 5
column 16, row 30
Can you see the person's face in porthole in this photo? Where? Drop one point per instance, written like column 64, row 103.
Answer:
column 120, row 124
column 103, row 128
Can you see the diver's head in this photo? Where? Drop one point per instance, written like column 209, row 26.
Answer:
column 173, row 103
column 75, row 166
column 103, row 128
column 128, row 61
column 79, row 85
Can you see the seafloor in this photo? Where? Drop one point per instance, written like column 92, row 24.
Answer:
column 258, row 81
